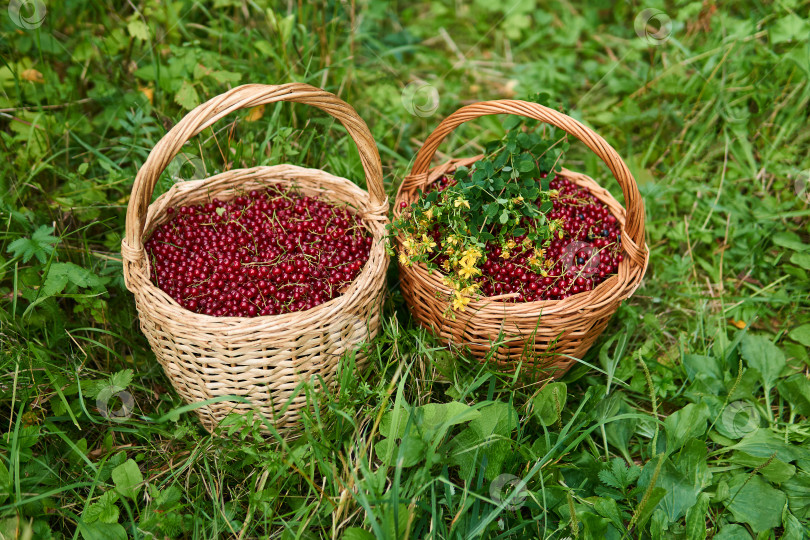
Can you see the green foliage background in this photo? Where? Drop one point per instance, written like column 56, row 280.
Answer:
column 688, row 419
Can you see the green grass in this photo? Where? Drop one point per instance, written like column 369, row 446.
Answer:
column 687, row 419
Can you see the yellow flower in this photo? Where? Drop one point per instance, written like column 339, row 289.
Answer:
column 461, row 202
column 468, row 272
column 428, row 242
column 511, row 244
column 446, row 265
column 408, row 244
column 450, row 283
column 470, row 256
column 467, row 261
column 470, row 290
column 429, row 214
column 505, row 254
column 459, row 301
column 453, row 240
column 449, row 251
column 518, row 199
column 404, row 260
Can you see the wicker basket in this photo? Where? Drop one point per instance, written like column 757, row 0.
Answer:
column 263, row 359
column 551, row 334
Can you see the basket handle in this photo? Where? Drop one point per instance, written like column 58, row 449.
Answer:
column 243, row 97
column 633, row 232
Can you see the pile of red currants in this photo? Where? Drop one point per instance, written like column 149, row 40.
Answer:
column 587, row 252
column 262, row 253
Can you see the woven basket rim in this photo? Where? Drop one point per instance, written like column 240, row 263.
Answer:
column 281, row 318
column 535, row 307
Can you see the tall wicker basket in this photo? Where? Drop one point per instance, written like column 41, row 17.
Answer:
column 550, row 334
column 263, row 359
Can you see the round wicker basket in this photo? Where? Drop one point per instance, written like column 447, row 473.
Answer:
column 546, row 335
column 262, row 359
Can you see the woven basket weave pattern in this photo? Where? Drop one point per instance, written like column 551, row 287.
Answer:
column 263, row 359
column 549, row 333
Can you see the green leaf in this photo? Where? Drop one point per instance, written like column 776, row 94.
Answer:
column 680, row 494
column 121, row 379
column 187, row 96
column 511, row 122
column 619, row 476
column 435, row 415
column 789, row 240
column 15, row 528
column 609, row 509
column 525, row 163
column 393, row 422
column 701, row 366
column 801, row 259
column 5, row 482
column 619, row 432
column 226, row 77
column 796, row 390
column 523, row 140
column 138, row 29
column 764, row 442
column 411, row 450
column 40, row 245
column 356, row 533
column 61, row 274
column 797, row 490
column 656, row 495
column 788, row 29
column 732, row 531
column 127, row 478
column 103, row 510
column 801, row 334
column 396, row 524
column 549, row 403
column 102, row 531
column 168, row 497
column 496, row 418
column 764, row 356
column 486, row 436
column 793, row 529
column 696, row 518
column 693, row 462
column 776, row 471
column 504, row 217
column 755, row 502
column 686, row 424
